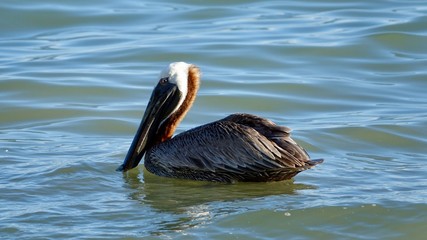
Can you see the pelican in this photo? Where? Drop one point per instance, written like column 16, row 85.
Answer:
column 240, row 147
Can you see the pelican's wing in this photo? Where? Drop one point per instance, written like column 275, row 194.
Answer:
column 224, row 147
column 280, row 135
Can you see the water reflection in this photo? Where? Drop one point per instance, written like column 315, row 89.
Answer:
column 193, row 203
column 168, row 194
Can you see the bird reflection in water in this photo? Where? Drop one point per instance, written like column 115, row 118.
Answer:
column 195, row 203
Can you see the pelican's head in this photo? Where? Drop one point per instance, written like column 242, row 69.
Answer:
column 169, row 102
column 175, row 76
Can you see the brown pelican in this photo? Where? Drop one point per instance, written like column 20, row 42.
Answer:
column 240, row 147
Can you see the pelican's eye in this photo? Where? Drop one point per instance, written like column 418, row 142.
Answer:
column 163, row 81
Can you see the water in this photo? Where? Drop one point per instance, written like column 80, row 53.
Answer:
column 348, row 77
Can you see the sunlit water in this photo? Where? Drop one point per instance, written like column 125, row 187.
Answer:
column 349, row 77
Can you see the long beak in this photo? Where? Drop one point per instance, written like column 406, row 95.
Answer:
column 164, row 100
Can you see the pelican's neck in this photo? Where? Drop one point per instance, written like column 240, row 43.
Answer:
column 167, row 129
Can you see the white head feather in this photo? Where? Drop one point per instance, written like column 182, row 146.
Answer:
column 177, row 73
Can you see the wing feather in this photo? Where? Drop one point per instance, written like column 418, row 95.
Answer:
column 239, row 145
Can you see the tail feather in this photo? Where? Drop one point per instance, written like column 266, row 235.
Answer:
column 314, row 162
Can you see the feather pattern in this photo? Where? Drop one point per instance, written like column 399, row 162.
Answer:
column 240, row 147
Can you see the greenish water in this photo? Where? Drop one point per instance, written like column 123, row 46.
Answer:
column 349, row 77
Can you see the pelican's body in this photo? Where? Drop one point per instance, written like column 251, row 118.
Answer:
column 240, row 147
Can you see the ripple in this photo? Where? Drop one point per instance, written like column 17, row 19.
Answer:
column 348, row 77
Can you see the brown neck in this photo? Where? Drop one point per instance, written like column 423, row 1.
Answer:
column 167, row 129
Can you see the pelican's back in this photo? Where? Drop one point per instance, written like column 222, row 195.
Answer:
column 240, row 147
